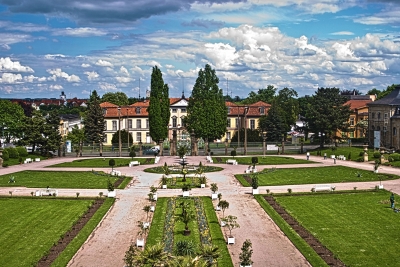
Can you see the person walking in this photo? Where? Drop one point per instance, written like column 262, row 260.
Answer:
column 392, row 201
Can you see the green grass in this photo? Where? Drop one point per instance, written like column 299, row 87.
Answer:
column 311, row 256
column 30, row 226
column 359, row 228
column 57, row 179
column 102, row 162
column 267, row 160
column 11, row 162
column 319, row 175
column 73, row 247
column 216, row 233
column 157, row 225
column 345, row 151
column 159, row 169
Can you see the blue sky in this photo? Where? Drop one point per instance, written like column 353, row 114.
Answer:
column 47, row 47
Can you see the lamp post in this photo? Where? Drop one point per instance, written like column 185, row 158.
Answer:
column 246, row 109
column 119, row 132
column 238, row 127
column 264, row 136
column 127, row 126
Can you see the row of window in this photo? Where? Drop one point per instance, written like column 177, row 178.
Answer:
column 137, row 137
column 379, row 115
column 261, row 110
column 138, row 124
column 378, row 128
column 252, row 123
column 174, row 110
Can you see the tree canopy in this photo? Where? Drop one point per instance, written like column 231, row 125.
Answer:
column 94, row 121
column 159, row 112
column 11, row 120
column 207, row 113
column 117, row 98
column 274, row 123
column 326, row 112
column 266, row 95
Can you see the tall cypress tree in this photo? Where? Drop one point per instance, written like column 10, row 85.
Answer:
column 273, row 122
column 159, row 112
column 94, row 121
column 52, row 133
column 207, row 112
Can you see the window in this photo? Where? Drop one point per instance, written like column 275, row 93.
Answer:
column 262, row 110
column 147, row 124
column 228, row 135
column 130, row 124
column 138, row 123
column 351, row 121
column 252, row 124
column 104, row 111
column 394, row 131
column 398, row 111
column 372, row 127
column 183, row 110
column 114, row 125
column 373, row 115
column 173, row 121
column 105, row 138
column 138, row 137
column 183, row 121
column 229, row 110
column 385, row 116
column 237, row 123
column 379, row 115
column 351, row 134
column 137, row 110
column 378, row 128
column 228, row 123
column 174, row 110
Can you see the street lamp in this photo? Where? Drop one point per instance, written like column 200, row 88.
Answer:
column 127, row 126
column 119, row 132
column 246, row 109
column 264, row 136
column 238, row 127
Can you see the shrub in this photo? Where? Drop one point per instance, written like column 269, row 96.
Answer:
column 361, row 154
column 396, row 156
column 132, row 154
column 349, row 156
column 12, row 152
column 254, row 160
column 233, row 153
column 5, row 164
column 110, row 185
column 360, row 159
column 20, row 160
column 377, row 155
column 289, row 190
column 254, row 182
column 22, row 151
column 6, row 156
column 390, row 159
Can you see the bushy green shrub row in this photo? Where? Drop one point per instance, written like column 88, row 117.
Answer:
column 14, row 152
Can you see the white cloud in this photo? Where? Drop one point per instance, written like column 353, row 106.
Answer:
column 124, row 71
column 80, row 32
column 103, row 63
column 105, row 87
column 58, row 73
column 91, row 75
column 6, row 64
column 342, row 33
column 50, row 56
column 85, row 65
column 55, row 87
column 123, row 79
column 10, row 78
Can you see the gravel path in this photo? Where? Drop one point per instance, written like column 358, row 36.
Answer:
column 106, row 246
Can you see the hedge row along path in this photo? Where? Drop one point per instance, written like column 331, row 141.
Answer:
column 107, row 244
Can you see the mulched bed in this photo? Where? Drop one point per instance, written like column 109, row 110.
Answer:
column 313, row 242
column 52, row 255
column 219, row 160
column 247, row 178
column 118, row 182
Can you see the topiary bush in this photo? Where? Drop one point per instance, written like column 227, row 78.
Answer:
column 360, row 159
column 390, row 159
column 254, row 160
column 377, row 155
column 349, row 156
column 22, row 151
column 395, row 156
column 6, row 156
column 12, row 152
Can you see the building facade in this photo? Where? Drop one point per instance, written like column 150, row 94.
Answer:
column 384, row 121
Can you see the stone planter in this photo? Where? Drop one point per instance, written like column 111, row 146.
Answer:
column 217, row 208
column 186, row 193
column 245, row 265
column 146, row 225
column 222, row 223
column 152, row 208
column 214, row 196
column 255, row 191
column 231, row 240
column 139, row 242
column 380, row 186
column 202, row 185
column 164, row 186
column 112, row 194
column 155, row 197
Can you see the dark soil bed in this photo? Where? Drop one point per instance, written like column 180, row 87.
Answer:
column 52, row 255
column 313, row 242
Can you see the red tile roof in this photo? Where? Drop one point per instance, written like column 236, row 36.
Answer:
column 356, row 104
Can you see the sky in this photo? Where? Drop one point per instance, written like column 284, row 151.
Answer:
column 53, row 46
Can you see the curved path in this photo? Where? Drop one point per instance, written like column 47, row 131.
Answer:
column 106, row 246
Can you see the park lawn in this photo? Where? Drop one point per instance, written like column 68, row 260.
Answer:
column 103, row 162
column 30, row 226
column 267, row 160
column 359, row 228
column 57, row 179
column 318, row 175
column 354, row 152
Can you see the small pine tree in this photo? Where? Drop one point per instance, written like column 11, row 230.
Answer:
column 245, row 255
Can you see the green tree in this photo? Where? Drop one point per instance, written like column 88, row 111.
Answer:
column 11, row 120
column 273, row 123
column 117, row 98
column 33, row 128
column 207, row 112
column 111, row 163
column 289, row 106
column 124, row 137
column 77, row 136
column 52, row 133
column 159, row 112
column 94, row 122
column 266, row 95
column 326, row 113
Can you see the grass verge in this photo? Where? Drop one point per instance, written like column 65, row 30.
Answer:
column 311, row 256
column 103, row 162
column 83, row 235
column 267, row 160
column 157, row 225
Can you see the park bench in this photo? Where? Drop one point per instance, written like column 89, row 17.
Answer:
column 37, row 159
column 28, row 160
column 134, row 163
column 322, row 187
column 46, row 192
column 157, row 160
column 341, row 157
column 115, row 173
column 232, row 161
column 209, row 159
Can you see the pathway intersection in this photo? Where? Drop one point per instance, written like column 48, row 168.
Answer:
column 107, row 244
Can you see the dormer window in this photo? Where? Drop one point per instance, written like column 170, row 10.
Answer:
column 229, row 110
column 137, row 110
column 262, row 110
column 104, row 111
column 174, row 110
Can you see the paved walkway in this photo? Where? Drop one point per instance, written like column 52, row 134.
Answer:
column 107, row 244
